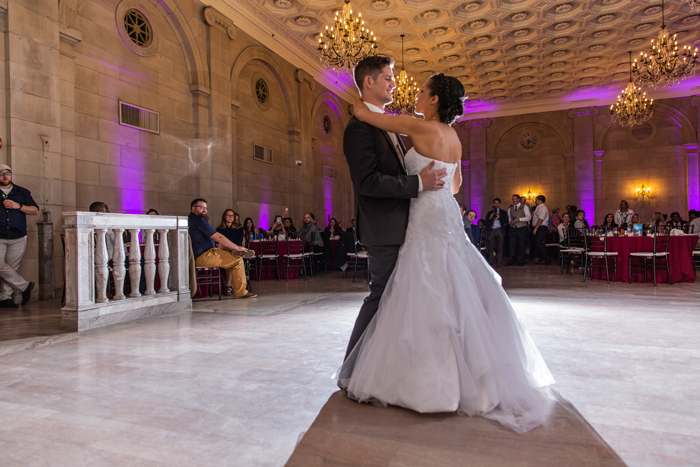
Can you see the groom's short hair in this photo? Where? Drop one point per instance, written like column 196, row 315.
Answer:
column 370, row 66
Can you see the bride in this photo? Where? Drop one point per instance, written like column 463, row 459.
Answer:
column 446, row 337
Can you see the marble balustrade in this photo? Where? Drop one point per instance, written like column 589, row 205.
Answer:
column 87, row 235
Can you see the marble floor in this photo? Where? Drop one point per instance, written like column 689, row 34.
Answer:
column 248, row 383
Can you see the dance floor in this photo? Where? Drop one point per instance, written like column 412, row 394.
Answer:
column 248, row 383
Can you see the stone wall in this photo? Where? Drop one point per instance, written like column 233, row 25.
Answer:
column 68, row 67
column 580, row 157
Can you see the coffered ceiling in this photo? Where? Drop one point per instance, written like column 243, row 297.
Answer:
column 513, row 56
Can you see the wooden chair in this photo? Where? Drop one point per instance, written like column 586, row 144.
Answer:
column 598, row 251
column 269, row 255
column 657, row 257
column 295, row 253
column 316, row 255
column 360, row 257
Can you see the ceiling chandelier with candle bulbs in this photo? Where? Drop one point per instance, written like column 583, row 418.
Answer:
column 664, row 66
column 694, row 4
column 347, row 42
column 632, row 107
column 404, row 102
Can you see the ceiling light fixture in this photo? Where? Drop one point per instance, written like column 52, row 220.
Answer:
column 404, row 102
column 632, row 107
column 346, row 43
column 664, row 67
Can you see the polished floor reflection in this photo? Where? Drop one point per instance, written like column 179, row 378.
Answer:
column 242, row 382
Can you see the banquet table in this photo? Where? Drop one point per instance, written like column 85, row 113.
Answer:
column 281, row 250
column 680, row 252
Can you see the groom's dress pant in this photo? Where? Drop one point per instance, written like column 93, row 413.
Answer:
column 382, row 260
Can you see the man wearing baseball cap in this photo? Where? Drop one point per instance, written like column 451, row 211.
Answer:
column 17, row 204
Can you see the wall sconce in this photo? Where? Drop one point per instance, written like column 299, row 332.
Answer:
column 644, row 192
column 530, row 196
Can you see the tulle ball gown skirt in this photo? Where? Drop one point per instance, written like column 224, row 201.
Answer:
column 446, row 338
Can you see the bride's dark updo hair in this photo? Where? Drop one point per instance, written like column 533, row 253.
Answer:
column 450, row 94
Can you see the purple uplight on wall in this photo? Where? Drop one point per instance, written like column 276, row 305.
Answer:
column 328, row 197
column 264, row 219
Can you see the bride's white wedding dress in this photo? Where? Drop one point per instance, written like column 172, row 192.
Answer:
column 446, row 337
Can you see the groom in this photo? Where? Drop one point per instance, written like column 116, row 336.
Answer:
column 382, row 188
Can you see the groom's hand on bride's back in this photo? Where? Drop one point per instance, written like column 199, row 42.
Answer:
column 432, row 179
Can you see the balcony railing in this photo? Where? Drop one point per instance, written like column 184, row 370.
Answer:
column 93, row 240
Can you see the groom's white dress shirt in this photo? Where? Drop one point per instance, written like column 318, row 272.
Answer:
column 395, row 141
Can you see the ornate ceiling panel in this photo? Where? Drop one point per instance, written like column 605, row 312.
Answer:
column 506, row 52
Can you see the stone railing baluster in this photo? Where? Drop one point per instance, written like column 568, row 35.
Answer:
column 118, row 264
column 134, row 263
column 149, row 262
column 101, row 266
column 163, row 260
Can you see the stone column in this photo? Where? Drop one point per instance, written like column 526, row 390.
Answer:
column 693, row 163
column 300, row 136
column 598, row 182
column 584, row 194
column 466, row 185
column 220, row 36
column 478, row 173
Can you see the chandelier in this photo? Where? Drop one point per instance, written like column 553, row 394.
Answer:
column 664, row 66
column 345, row 44
column 694, row 4
column 632, row 107
column 404, row 93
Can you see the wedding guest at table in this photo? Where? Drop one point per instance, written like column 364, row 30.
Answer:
column 229, row 229
column 540, row 229
column 340, row 226
column 563, row 226
column 496, row 222
column 278, row 227
column 208, row 255
column 555, row 219
column 676, row 221
column 657, row 219
column 635, row 219
column 332, row 230
column 581, row 222
column 236, row 220
column 624, row 214
column 289, row 230
column 609, row 221
column 152, row 212
column 572, row 211
column 519, row 215
column 351, row 229
column 471, row 230
column 308, row 230
column 248, row 230
column 695, row 224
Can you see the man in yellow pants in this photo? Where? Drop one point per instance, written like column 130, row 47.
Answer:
column 227, row 256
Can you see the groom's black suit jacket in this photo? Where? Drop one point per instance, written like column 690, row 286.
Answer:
column 382, row 188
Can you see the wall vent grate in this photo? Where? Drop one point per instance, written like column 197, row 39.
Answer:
column 328, row 172
column 139, row 118
column 263, row 154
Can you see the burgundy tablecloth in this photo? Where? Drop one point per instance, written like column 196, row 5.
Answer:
column 281, row 250
column 680, row 253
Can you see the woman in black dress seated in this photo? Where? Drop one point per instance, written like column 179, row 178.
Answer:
column 332, row 230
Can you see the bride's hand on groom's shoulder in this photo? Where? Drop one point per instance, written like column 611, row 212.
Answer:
column 359, row 109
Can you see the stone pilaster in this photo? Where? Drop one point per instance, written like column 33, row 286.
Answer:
column 584, row 193
column 478, row 172
column 301, row 146
column 598, row 181
column 693, row 162
column 466, row 184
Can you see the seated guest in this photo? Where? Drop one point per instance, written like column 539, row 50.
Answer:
column 228, row 228
column 581, row 222
column 248, row 230
column 152, row 212
column 695, row 223
column 657, row 219
column 277, row 228
column 635, row 219
column 555, row 219
column 676, row 221
column 624, row 214
column 351, row 229
column 472, row 230
column 332, row 230
column 563, row 225
column 227, row 256
column 236, row 220
column 609, row 221
column 572, row 212
column 340, row 226
column 289, row 230
column 465, row 221
column 310, row 229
